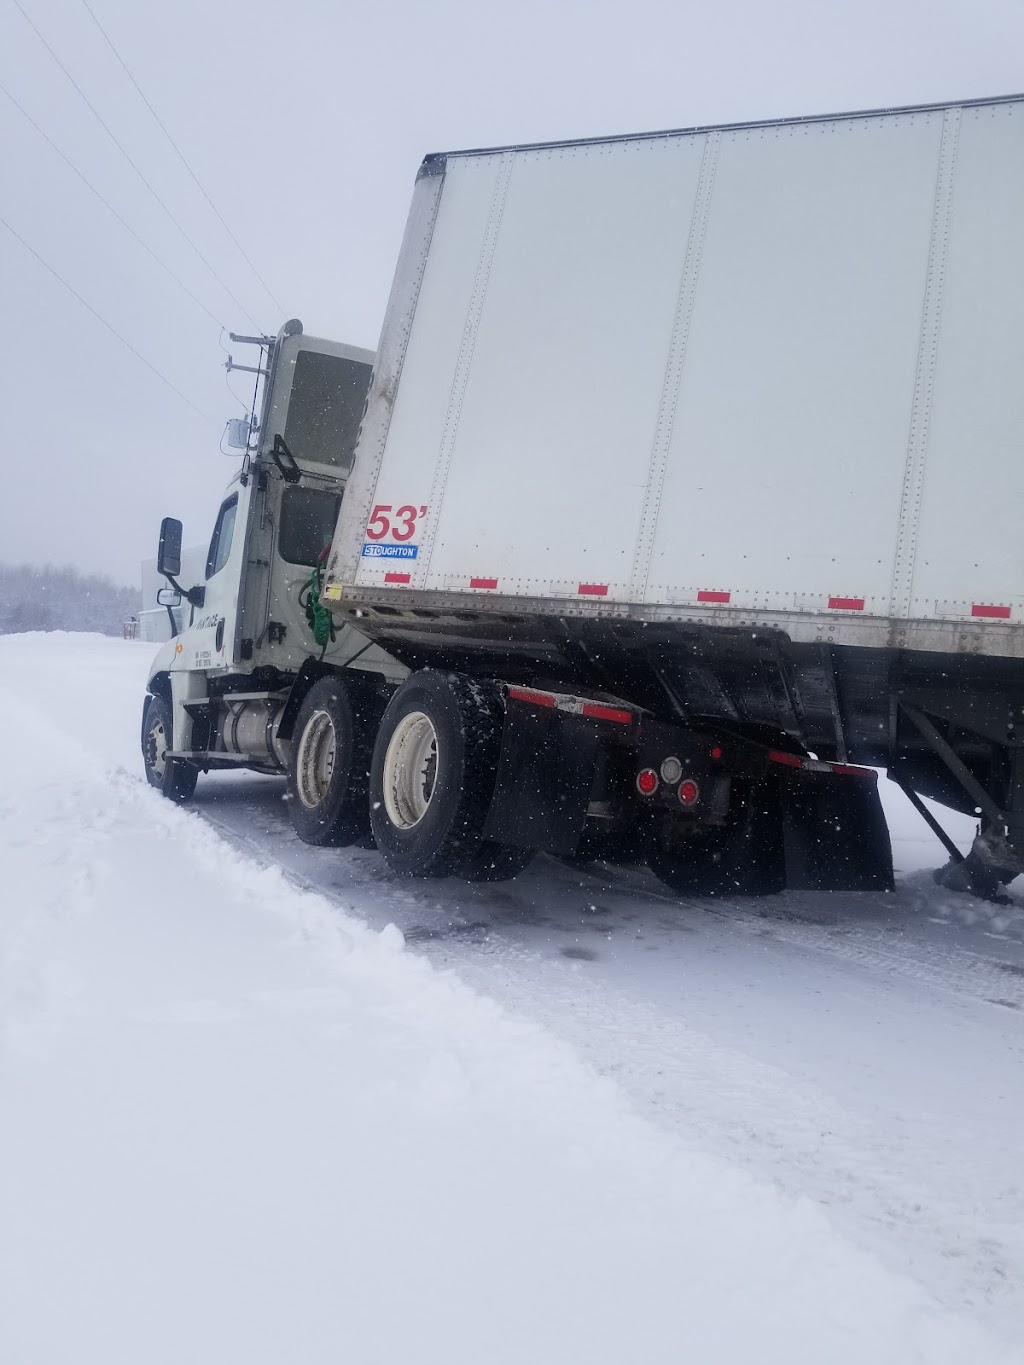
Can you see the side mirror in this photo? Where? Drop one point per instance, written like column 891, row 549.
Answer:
column 168, row 556
column 168, row 597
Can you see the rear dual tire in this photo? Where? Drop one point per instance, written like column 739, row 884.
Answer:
column 328, row 770
column 417, row 782
column 432, row 777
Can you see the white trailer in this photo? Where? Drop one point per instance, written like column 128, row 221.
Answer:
column 765, row 375
column 688, row 480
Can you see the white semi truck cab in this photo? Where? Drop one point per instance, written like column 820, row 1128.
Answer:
column 217, row 691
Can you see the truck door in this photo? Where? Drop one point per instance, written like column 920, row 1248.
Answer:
column 313, row 407
column 207, row 642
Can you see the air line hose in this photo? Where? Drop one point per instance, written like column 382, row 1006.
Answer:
column 319, row 617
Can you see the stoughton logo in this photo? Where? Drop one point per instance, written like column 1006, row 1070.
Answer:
column 373, row 550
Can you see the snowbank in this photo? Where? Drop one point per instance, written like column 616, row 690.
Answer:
column 238, row 1127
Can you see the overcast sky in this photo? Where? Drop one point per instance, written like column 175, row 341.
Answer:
column 305, row 120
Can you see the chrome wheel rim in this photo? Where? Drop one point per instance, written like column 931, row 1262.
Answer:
column 410, row 770
column 314, row 763
column 157, row 747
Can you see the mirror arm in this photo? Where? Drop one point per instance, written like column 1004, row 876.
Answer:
column 194, row 596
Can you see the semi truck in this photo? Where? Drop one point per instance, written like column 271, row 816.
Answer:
column 682, row 493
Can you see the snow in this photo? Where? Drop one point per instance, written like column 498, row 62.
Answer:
column 241, row 1123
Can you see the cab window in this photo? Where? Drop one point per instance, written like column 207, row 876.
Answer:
column 325, row 408
column 308, row 517
column 220, row 541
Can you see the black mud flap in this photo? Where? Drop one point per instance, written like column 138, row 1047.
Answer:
column 834, row 834
column 544, row 781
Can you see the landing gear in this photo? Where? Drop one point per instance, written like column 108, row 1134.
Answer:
column 983, row 870
column 995, row 857
column 970, row 875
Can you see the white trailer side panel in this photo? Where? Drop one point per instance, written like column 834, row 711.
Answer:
column 970, row 543
column 786, row 460
column 419, row 419
column 765, row 372
column 567, row 370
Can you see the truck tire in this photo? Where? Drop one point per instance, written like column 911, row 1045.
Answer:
column 173, row 777
column 328, row 770
column 742, row 858
column 432, row 776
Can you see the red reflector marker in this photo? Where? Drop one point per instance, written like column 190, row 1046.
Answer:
column 598, row 712
column 851, row 770
column 483, row 582
column 716, row 752
column 846, row 604
column 397, row 577
column 688, row 792
column 647, row 781
column 593, row 589
column 997, row 613
column 787, row 760
column 534, row 698
column 706, row 595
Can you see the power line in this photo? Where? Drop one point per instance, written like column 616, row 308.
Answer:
column 110, row 133
column 100, row 318
column 181, row 156
column 106, row 203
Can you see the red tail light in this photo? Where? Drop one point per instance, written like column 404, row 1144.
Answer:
column 647, row 781
column 688, row 792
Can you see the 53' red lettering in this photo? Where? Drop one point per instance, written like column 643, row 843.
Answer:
column 401, row 527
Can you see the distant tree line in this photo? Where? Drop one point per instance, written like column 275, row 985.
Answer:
column 60, row 598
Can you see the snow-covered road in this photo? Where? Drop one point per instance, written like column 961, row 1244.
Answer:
column 864, row 1054
column 865, row 1051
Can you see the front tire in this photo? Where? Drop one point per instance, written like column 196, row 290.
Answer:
column 172, row 777
column 433, row 773
column 328, row 771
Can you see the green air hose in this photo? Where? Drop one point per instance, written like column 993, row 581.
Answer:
column 318, row 616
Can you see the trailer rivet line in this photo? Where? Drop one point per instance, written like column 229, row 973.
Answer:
column 460, row 380
column 673, row 377
column 924, row 381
